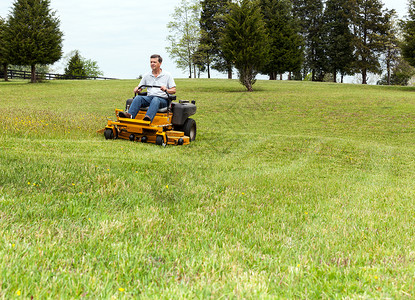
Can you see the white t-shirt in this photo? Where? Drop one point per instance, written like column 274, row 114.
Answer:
column 164, row 79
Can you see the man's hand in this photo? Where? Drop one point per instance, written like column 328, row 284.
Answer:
column 170, row 91
column 137, row 90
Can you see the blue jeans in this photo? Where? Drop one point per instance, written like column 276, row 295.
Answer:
column 153, row 103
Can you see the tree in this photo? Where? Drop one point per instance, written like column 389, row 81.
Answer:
column 285, row 41
column 75, row 66
column 408, row 26
column 184, row 35
column 91, row 68
column 245, row 41
column 211, row 26
column 338, row 43
column 3, row 48
column 310, row 15
column 391, row 48
column 400, row 74
column 368, row 26
column 33, row 34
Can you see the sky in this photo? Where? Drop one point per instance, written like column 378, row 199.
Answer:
column 121, row 35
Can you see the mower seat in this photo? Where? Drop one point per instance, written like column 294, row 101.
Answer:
column 160, row 110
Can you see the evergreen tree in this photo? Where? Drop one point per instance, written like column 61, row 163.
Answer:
column 245, row 41
column 285, row 41
column 408, row 46
column 211, row 25
column 76, row 66
column 338, row 43
column 33, row 34
column 3, row 48
column 310, row 15
column 368, row 26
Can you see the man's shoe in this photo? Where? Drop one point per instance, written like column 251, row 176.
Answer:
column 122, row 114
column 146, row 118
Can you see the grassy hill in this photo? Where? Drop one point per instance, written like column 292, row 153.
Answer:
column 297, row 190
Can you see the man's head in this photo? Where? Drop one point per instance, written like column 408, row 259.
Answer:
column 158, row 57
column 155, row 62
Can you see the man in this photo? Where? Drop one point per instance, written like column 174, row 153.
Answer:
column 156, row 97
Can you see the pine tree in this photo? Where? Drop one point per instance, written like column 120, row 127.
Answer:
column 245, row 41
column 285, row 41
column 3, row 48
column 408, row 47
column 338, row 42
column 211, row 26
column 310, row 15
column 33, row 34
column 368, row 26
column 75, row 67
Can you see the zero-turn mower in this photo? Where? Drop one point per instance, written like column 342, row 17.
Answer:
column 170, row 126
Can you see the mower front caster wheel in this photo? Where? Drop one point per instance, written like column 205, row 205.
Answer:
column 109, row 134
column 160, row 140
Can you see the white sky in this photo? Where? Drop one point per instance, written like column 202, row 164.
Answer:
column 121, row 35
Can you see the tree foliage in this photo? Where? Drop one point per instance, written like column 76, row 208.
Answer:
column 408, row 46
column 212, row 24
column 79, row 66
column 338, row 43
column 284, row 38
column 33, row 34
column 3, row 48
column 184, row 35
column 75, row 66
column 245, row 41
column 323, row 38
column 369, row 24
column 400, row 74
column 310, row 16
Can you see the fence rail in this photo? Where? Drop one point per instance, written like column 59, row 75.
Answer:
column 47, row 76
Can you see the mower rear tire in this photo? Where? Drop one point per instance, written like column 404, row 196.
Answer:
column 189, row 129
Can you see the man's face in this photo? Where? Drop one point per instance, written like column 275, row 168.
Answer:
column 154, row 63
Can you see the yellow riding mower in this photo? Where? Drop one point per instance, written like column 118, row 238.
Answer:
column 170, row 126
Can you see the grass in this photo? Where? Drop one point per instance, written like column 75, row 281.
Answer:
column 298, row 190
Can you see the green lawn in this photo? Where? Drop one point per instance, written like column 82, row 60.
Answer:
column 297, row 190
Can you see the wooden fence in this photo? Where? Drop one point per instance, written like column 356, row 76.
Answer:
column 46, row 76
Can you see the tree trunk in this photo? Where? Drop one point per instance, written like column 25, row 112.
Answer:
column 208, row 69
column 334, row 76
column 33, row 74
column 364, row 76
column 190, row 70
column 230, row 73
column 5, row 69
